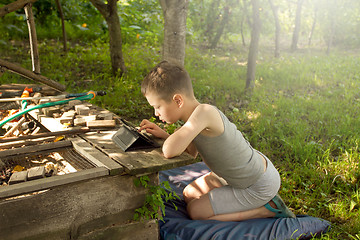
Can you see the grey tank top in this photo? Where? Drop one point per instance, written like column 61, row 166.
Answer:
column 230, row 156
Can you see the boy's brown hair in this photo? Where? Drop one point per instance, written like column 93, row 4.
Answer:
column 167, row 79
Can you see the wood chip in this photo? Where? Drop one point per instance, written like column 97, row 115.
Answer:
column 101, row 123
column 18, row 177
column 36, row 172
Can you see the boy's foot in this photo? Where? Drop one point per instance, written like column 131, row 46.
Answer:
column 281, row 210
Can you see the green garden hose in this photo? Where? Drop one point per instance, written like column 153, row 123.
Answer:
column 85, row 96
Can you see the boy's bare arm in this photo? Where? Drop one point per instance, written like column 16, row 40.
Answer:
column 191, row 149
column 153, row 129
column 203, row 117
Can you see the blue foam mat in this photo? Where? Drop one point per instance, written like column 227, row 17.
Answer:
column 177, row 224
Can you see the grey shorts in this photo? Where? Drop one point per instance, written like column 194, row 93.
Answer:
column 228, row 199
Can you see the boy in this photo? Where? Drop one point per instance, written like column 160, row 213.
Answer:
column 243, row 183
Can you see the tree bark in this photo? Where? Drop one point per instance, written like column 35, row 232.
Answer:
column 254, row 46
column 277, row 28
column 175, row 13
column 109, row 12
column 295, row 39
column 58, row 4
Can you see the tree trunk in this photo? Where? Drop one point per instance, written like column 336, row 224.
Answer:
column 109, row 12
column 223, row 23
column 242, row 30
column 211, row 19
column 313, row 26
column 246, row 13
column 245, row 16
column 175, row 13
column 332, row 21
column 277, row 28
column 331, row 35
column 58, row 5
column 295, row 39
column 254, row 46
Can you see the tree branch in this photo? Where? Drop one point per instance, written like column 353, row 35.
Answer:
column 14, row 6
column 101, row 6
column 30, row 75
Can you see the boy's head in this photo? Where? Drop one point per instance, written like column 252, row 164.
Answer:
column 167, row 79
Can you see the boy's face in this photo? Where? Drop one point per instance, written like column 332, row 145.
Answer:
column 166, row 111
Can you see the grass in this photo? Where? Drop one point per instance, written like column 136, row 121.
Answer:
column 303, row 113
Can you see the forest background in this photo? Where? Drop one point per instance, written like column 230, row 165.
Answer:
column 300, row 107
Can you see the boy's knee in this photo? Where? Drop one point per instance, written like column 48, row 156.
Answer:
column 193, row 214
column 189, row 194
column 186, row 194
column 196, row 212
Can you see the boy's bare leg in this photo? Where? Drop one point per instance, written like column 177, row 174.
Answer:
column 201, row 209
column 200, row 186
column 199, row 206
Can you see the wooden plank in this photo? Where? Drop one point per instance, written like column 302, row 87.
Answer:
column 136, row 162
column 34, row 149
column 101, row 123
column 51, row 124
column 45, row 183
column 95, row 156
column 26, row 142
column 71, row 211
column 145, row 229
column 45, row 135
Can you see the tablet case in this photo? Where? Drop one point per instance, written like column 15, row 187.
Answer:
column 128, row 138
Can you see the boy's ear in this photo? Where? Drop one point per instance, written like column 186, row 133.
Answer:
column 178, row 99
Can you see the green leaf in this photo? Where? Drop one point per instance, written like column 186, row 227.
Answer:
column 352, row 205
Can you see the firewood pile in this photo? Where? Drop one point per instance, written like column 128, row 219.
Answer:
column 35, row 145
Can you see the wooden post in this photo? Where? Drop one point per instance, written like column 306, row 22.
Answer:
column 33, row 38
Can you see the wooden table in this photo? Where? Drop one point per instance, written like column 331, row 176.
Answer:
column 96, row 203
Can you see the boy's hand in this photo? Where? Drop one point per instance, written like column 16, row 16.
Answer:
column 153, row 129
